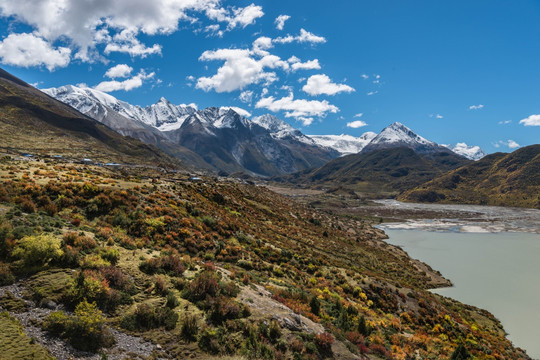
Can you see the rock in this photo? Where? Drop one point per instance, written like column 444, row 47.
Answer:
column 49, row 304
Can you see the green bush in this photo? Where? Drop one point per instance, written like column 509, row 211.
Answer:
column 85, row 330
column 38, row 250
column 146, row 317
column 189, row 328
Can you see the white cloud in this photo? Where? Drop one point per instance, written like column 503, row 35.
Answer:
column 506, row 122
column 297, row 64
column 533, row 120
column 85, row 24
column 238, row 110
column 127, row 42
column 476, row 107
column 125, row 85
column 239, row 70
column 356, row 124
column 365, row 76
column 300, row 109
column 359, row 115
column 235, row 17
column 304, row 37
column 214, row 30
column 509, row 143
column 372, row 93
column 321, row 84
column 280, row 21
column 262, row 44
column 377, row 79
column 119, row 71
column 246, row 96
column 436, row 116
column 27, row 50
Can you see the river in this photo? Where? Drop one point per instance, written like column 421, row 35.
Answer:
column 492, row 260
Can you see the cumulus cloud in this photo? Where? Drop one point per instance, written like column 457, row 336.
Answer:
column 359, row 115
column 119, row 71
column 476, row 107
column 280, row 21
column 321, row 84
column 127, row 42
column 86, row 24
column 235, row 17
column 28, row 50
column 356, row 124
column 304, row 37
column 300, row 109
column 370, row 93
column 297, row 64
column 533, row 120
column 125, row 85
column 242, row 67
column 508, row 143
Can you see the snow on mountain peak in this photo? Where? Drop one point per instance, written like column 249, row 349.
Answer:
column 399, row 133
column 468, row 151
column 344, row 144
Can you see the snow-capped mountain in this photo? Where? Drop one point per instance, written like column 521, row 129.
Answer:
column 98, row 105
column 281, row 130
column 398, row 135
column 470, row 152
column 215, row 138
column 344, row 144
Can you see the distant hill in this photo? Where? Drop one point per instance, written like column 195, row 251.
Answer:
column 497, row 179
column 33, row 122
column 385, row 170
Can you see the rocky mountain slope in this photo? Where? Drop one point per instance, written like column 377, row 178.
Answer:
column 497, row 179
column 32, row 122
column 219, row 138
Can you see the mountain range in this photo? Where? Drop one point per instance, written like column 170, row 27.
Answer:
column 222, row 140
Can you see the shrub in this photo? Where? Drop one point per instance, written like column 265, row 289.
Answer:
column 38, row 250
column 324, row 342
column 85, row 330
column 205, row 284
column 172, row 300
column 146, row 318
column 189, row 328
column 6, row 277
column 169, row 264
column 460, row 353
column 315, row 306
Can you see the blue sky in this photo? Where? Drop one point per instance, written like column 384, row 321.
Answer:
column 453, row 71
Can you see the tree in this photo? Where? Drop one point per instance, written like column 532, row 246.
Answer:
column 461, row 353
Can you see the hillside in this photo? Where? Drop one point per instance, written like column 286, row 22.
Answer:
column 172, row 267
column 387, row 170
column 497, row 179
column 32, row 122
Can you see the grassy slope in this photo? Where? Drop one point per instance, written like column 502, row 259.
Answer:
column 390, row 170
column 497, row 179
column 256, row 239
column 31, row 121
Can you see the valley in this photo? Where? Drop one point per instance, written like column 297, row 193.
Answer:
column 181, row 244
